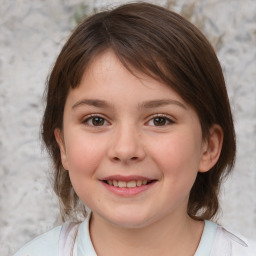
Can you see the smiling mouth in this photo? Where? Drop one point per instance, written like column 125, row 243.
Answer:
column 129, row 184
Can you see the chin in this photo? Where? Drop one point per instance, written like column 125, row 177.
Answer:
column 130, row 220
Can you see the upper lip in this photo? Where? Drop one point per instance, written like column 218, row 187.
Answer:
column 127, row 178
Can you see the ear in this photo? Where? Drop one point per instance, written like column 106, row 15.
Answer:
column 211, row 148
column 60, row 140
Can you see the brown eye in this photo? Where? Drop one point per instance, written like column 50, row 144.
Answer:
column 95, row 121
column 159, row 121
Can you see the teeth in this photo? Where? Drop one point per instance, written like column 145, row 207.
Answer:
column 139, row 183
column 129, row 184
column 110, row 182
column 122, row 184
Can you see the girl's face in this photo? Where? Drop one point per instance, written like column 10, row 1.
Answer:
column 131, row 145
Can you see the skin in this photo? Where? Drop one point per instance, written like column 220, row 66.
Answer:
column 143, row 128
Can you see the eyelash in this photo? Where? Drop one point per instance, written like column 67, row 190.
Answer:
column 90, row 118
column 167, row 120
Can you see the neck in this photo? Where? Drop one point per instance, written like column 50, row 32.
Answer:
column 172, row 236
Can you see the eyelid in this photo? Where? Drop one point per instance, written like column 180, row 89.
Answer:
column 169, row 118
column 88, row 117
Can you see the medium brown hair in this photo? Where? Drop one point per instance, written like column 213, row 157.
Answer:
column 165, row 46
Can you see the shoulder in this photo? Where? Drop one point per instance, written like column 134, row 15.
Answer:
column 43, row 245
column 229, row 242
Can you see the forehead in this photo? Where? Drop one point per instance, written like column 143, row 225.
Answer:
column 106, row 74
column 107, row 84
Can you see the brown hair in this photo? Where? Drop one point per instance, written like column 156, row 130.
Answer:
column 165, row 46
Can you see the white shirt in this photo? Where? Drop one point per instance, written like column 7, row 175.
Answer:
column 61, row 241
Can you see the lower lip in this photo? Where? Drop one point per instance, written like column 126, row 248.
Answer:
column 128, row 192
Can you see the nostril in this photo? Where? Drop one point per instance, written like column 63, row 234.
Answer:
column 132, row 158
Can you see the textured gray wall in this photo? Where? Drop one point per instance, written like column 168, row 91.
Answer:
column 31, row 35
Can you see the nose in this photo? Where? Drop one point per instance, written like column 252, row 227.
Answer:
column 126, row 145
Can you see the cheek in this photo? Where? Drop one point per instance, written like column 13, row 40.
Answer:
column 177, row 155
column 84, row 154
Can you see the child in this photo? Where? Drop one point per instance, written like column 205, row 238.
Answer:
column 139, row 127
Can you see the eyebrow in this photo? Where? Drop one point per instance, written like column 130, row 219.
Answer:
column 92, row 102
column 160, row 103
column 147, row 104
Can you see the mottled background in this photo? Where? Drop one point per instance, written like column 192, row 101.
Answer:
column 31, row 35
